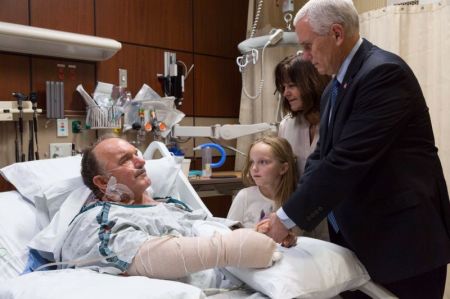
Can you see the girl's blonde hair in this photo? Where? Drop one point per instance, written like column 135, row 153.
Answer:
column 282, row 152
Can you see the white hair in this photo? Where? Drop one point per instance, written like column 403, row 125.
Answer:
column 322, row 14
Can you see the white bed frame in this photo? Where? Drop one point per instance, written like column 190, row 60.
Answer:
column 185, row 190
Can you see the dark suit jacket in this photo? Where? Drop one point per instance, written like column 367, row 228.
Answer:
column 376, row 166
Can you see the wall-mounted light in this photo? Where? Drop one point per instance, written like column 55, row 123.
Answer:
column 40, row 41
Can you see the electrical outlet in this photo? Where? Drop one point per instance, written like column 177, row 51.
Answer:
column 58, row 150
column 123, row 78
column 62, row 127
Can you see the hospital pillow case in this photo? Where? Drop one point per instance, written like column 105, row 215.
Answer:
column 17, row 227
column 54, row 179
column 30, row 178
column 311, row 269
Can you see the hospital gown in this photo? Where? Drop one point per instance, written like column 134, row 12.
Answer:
column 107, row 236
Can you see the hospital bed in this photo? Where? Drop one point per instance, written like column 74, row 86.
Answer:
column 312, row 269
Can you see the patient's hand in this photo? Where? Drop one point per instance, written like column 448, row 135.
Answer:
column 263, row 226
column 276, row 230
column 290, row 240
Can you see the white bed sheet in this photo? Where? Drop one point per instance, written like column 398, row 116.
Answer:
column 87, row 284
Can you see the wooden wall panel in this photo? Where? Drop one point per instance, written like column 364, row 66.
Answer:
column 71, row 73
column 143, row 64
column 219, row 26
column 161, row 23
column 14, row 11
column 15, row 74
column 217, row 87
column 72, row 16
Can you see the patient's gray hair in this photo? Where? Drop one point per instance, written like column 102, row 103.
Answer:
column 91, row 166
column 322, row 14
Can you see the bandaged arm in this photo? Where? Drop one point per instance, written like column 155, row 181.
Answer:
column 170, row 257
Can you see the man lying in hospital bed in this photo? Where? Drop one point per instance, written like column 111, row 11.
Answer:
column 298, row 274
column 122, row 230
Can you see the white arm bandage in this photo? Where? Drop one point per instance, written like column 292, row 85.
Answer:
column 171, row 257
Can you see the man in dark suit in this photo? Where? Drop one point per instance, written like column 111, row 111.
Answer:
column 375, row 173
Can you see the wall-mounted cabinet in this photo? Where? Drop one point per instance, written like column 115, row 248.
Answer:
column 71, row 16
column 14, row 11
column 158, row 23
column 218, row 34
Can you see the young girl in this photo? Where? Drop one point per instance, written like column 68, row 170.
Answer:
column 271, row 174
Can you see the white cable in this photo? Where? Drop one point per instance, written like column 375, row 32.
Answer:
column 227, row 147
column 261, row 82
column 76, row 262
column 189, row 71
column 256, row 19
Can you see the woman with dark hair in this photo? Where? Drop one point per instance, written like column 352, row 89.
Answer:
column 301, row 87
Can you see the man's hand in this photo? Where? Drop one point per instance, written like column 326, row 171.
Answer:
column 273, row 227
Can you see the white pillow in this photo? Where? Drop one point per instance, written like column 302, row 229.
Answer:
column 47, row 183
column 54, row 195
column 48, row 240
column 83, row 283
column 31, row 177
column 312, row 269
column 17, row 227
column 163, row 174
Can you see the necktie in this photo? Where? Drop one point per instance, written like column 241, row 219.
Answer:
column 334, row 92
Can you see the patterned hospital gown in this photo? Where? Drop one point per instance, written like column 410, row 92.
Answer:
column 107, row 235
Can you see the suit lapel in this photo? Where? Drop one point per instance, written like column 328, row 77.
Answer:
column 352, row 70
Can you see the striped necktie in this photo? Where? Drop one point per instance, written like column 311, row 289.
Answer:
column 333, row 96
column 334, row 92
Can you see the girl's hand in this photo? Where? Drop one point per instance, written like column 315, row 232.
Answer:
column 263, row 226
